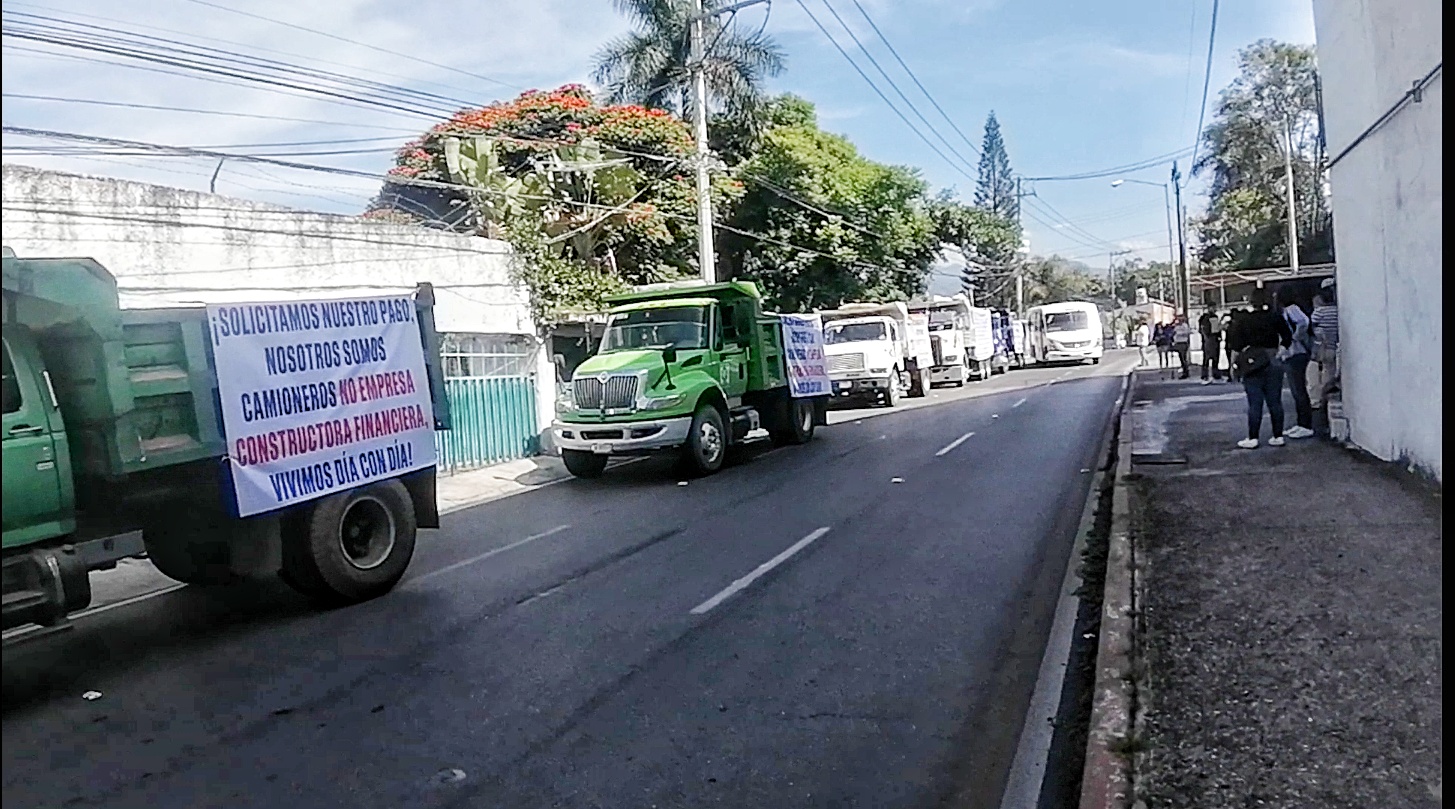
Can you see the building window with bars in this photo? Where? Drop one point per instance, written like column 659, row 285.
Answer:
column 487, row 355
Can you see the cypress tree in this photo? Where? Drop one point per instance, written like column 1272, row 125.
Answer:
column 995, row 188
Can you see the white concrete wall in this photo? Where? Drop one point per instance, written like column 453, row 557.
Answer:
column 1386, row 196
column 171, row 247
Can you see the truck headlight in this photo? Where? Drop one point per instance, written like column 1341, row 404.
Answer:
column 565, row 404
column 663, row 402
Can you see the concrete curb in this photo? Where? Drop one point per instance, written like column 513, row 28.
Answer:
column 1106, row 781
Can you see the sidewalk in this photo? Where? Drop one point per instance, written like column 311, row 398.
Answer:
column 473, row 487
column 1289, row 611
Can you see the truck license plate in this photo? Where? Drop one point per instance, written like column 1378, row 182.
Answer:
column 601, row 448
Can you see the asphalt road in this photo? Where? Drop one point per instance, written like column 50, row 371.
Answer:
column 854, row 622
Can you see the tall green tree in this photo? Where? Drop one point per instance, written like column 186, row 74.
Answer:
column 1268, row 112
column 865, row 225
column 649, row 65
column 989, row 242
column 995, row 185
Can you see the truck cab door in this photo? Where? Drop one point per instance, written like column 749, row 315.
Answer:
column 36, row 500
column 733, row 349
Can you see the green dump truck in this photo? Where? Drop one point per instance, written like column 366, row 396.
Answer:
column 693, row 369
column 120, row 439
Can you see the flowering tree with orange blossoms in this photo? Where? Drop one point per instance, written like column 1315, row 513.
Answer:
column 649, row 237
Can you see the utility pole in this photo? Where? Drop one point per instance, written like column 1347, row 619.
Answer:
column 1184, row 281
column 1020, row 269
column 1292, row 209
column 706, row 257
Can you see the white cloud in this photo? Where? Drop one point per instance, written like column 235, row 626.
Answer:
column 518, row 43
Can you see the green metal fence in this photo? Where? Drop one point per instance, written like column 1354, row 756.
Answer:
column 491, row 384
column 494, row 420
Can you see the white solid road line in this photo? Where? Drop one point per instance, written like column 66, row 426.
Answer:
column 482, row 557
column 737, row 586
column 1018, row 403
column 957, row 442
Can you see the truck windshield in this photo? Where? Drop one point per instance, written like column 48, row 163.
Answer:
column 942, row 320
column 1067, row 321
column 675, row 326
column 853, row 333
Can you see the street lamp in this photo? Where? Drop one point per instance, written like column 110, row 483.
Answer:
column 1167, row 200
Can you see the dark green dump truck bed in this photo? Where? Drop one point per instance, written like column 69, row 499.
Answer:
column 136, row 387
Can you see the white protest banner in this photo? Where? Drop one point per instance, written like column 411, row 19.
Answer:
column 808, row 375
column 320, row 396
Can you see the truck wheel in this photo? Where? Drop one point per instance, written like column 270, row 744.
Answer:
column 919, row 385
column 706, row 445
column 891, row 396
column 351, row 546
column 795, row 423
column 583, row 464
column 179, row 554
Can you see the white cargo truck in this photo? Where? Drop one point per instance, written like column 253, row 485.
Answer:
column 877, row 351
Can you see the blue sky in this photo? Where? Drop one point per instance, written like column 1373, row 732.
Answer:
column 1077, row 86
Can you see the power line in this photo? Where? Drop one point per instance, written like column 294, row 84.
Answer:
column 227, row 42
column 894, row 85
column 1212, row 34
column 198, row 111
column 1127, row 168
column 410, row 57
column 915, row 78
column 400, row 180
column 877, row 91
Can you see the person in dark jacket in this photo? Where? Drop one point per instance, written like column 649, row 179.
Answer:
column 1255, row 338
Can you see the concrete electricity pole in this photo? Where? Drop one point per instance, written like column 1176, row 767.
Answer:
column 706, row 257
column 1183, row 281
column 1292, row 210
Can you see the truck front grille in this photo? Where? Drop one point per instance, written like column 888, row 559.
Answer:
column 616, row 393
column 845, row 362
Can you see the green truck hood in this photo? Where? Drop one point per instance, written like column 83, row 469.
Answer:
column 620, row 361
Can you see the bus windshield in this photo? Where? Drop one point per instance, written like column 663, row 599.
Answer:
column 1067, row 321
column 676, row 326
column 853, row 333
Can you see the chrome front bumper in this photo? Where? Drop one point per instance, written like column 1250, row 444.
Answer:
column 621, row 438
column 860, row 386
column 1084, row 353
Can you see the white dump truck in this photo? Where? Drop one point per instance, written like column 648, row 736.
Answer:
column 951, row 335
column 877, row 351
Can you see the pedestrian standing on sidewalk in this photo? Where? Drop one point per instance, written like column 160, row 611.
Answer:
column 1210, row 326
column 1227, row 322
column 1325, row 325
column 1182, row 343
column 1296, row 357
column 1255, row 338
column 1162, row 336
column 1142, row 337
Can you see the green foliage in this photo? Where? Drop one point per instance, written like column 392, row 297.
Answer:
column 599, row 190
column 1270, row 109
column 995, row 186
column 869, row 225
column 1055, row 279
column 649, row 65
column 1158, row 278
column 989, row 242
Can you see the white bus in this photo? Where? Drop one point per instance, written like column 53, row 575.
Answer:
column 1065, row 332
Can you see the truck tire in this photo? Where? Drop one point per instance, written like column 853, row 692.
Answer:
column 919, row 383
column 795, row 423
column 706, row 446
column 891, row 396
column 583, row 464
column 179, row 553
column 351, row 546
